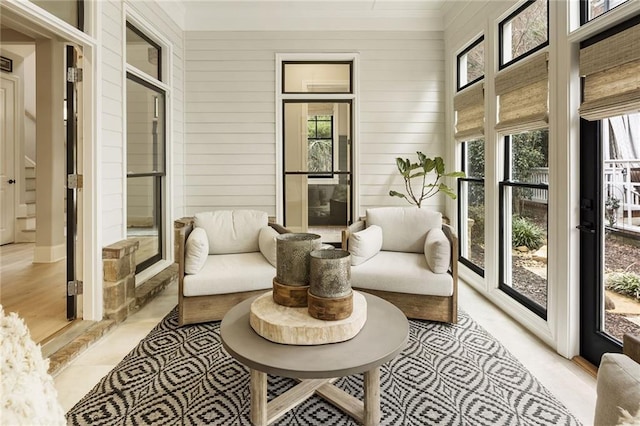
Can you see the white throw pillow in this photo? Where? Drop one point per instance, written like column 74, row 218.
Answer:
column 365, row 244
column 437, row 251
column 404, row 228
column 267, row 244
column 232, row 231
column 197, row 250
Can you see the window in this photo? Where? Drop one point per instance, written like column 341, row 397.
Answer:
column 316, row 77
column 523, row 216
column 471, row 206
column 471, row 64
column 524, row 31
column 590, row 9
column 143, row 53
column 70, row 11
column 146, row 152
column 320, row 140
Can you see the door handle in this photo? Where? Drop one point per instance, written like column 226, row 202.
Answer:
column 586, row 228
column 11, row 181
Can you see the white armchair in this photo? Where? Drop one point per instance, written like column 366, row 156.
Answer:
column 223, row 257
column 408, row 257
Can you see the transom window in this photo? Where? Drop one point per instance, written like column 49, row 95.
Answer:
column 591, row 9
column 524, row 32
column 471, row 64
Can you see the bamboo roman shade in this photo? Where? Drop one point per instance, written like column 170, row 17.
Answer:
column 524, row 95
column 611, row 68
column 469, row 107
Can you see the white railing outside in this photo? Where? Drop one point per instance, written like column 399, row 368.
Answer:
column 622, row 185
column 540, row 175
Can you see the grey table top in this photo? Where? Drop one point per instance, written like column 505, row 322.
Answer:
column 382, row 338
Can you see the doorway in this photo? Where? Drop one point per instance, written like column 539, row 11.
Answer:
column 316, row 123
column 317, row 172
column 39, row 257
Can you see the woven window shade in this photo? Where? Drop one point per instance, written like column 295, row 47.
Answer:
column 469, row 107
column 524, row 96
column 611, row 68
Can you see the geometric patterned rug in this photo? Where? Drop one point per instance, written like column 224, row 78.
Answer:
column 449, row 374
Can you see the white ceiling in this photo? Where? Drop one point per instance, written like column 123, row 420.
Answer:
column 316, row 15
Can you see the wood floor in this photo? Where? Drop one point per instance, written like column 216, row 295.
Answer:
column 36, row 291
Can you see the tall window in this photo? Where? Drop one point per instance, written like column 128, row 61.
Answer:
column 146, row 123
column 524, row 207
column 469, row 118
column 524, row 32
column 471, row 206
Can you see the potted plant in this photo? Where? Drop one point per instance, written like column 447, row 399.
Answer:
column 420, row 171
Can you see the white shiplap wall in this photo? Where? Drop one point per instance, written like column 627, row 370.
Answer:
column 112, row 156
column 230, row 110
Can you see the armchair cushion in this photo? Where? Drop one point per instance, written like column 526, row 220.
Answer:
column 403, row 273
column 230, row 273
column 197, row 250
column 232, row 231
column 404, row 229
column 437, row 251
column 365, row 244
column 267, row 244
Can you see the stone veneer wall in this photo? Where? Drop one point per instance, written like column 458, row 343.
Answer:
column 119, row 282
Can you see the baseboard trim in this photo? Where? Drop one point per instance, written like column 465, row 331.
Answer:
column 49, row 254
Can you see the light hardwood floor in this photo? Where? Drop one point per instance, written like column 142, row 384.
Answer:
column 36, row 291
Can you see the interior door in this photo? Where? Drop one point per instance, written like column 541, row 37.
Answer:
column 317, row 164
column 7, row 163
column 74, row 182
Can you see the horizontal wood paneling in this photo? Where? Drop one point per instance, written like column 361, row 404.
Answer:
column 230, row 110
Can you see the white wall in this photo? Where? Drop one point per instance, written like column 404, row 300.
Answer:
column 113, row 139
column 230, row 110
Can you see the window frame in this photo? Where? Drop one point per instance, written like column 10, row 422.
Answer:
column 323, row 175
column 298, row 62
column 469, row 179
column 160, row 187
column 504, row 248
column 132, row 27
column 584, row 11
column 458, row 70
column 501, row 64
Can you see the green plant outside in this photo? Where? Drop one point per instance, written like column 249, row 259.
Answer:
column 526, row 233
column 624, row 283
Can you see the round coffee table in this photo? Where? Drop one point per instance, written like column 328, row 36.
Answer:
column 383, row 336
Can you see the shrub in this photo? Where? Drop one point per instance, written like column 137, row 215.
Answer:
column 624, row 283
column 477, row 232
column 526, row 233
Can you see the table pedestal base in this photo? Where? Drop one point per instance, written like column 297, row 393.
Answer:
column 264, row 413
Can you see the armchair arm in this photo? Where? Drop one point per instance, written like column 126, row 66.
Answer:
column 279, row 228
column 354, row 227
column 631, row 347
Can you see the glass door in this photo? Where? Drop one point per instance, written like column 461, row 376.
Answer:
column 610, row 233
column 317, row 164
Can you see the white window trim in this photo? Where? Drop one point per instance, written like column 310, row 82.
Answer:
column 280, row 97
column 131, row 15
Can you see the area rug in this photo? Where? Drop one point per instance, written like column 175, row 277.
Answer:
column 447, row 375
